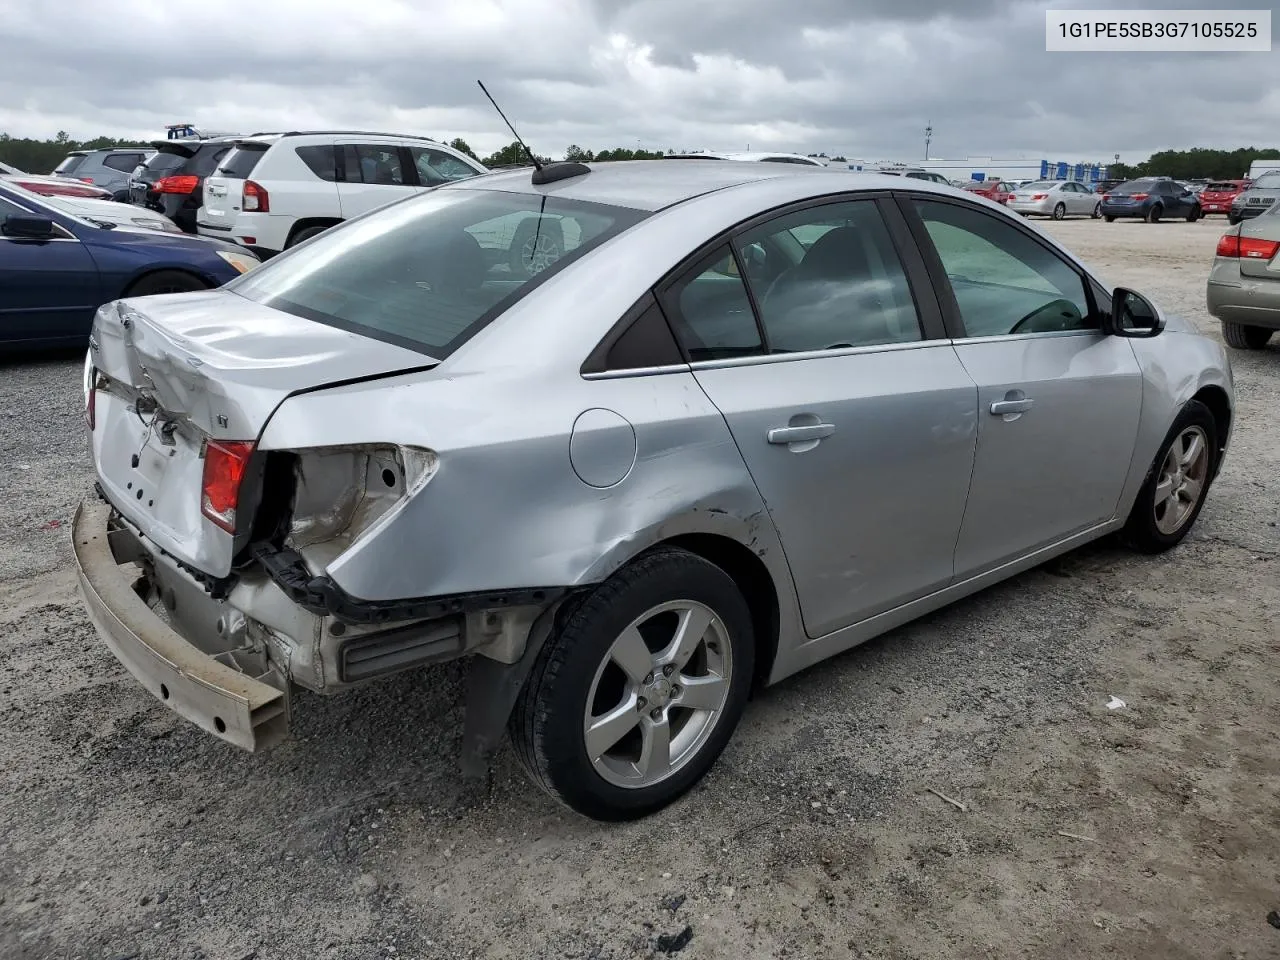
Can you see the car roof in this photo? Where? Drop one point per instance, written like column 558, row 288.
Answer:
column 655, row 184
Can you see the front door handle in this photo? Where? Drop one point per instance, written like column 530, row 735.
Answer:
column 800, row 434
column 1001, row 408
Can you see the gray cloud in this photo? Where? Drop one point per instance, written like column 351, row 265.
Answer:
column 860, row 77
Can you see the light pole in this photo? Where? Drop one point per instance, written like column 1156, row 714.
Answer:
column 928, row 136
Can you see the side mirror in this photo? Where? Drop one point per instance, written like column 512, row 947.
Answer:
column 28, row 226
column 1133, row 315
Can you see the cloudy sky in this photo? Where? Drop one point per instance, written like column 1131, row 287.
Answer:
column 858, row 77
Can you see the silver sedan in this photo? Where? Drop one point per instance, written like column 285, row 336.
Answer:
column 1057, row 199
column 717, row 423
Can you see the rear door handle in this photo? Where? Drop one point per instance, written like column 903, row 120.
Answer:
column 1001, row 407
column 810, row 431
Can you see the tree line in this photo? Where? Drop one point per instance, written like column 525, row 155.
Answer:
column 1197, row 162
column 41, row 156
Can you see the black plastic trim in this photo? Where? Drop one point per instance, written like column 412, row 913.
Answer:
column 552, row 172
column 642, row 338
column 321, row 596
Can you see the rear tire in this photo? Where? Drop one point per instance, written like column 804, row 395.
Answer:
column 165, row 281
column 306, row 233
column 1177, row 484
column 1242, row 336
column 584, row 675
column 1059, row 211
column 1109, row 219
column 1194, row 214
column 1233, row 219
column 1153, row 215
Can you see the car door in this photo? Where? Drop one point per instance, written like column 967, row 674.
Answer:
column 371, row 175
column 50, row 287
column 1058, row 400
column 1076, row 200
column 857, row 426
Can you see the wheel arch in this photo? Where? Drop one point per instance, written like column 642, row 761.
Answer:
column 152, row 269
column 1219, row 404
column 305, row 223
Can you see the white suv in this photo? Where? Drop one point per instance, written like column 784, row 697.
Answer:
column 304, row 183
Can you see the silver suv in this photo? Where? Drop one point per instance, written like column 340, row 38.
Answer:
column 109, row 169
column 1262, row 193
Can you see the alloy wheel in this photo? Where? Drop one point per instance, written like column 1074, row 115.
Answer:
column 658, row 694
column 1183, row 475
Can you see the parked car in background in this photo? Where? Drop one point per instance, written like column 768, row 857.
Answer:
column 57, row 268
column 1244, row 283
column 395, row 453
column 109, row 169
column 998, row 190
column 1255, row 199
column 274, row 191
column 919, row 174
column 171, row 182
column 111, row 213
column 1217, row 196
column 1150, row 199
column 750, row 157
column 51, row 186
column 1102, row 186
column 1054, row 198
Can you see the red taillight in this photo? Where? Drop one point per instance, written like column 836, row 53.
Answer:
column 182, row 184
column 1038, row 196
column 1251, row 248
column 1137, row 196
column 224, row 466
column 88, row 180
column 255, row 197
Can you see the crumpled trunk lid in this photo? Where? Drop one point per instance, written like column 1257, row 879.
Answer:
column 184, row 369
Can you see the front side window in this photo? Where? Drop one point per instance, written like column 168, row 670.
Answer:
column 428, row 273
column 846, row 289
column 1004, row 281
column 436, row 167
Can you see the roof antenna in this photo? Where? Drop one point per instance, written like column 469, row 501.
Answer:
column 542, row 173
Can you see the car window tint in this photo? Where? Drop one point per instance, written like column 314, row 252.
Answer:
column 165, row 162
column 379, row 164
column 320, row 160
column 69, row 164
column 1004, row 281
column 712, row 312
column 436, row 167
column 228, row 160
column 847, row 288
column 7, row 208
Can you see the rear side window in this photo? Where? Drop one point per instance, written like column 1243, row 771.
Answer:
column 429, row 273
column 235, row 162
column 320, row 160
column 712, row 311
column 125, row 162
column 69, row 164
column 847, row 289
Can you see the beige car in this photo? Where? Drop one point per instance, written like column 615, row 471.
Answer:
column 1244, row 285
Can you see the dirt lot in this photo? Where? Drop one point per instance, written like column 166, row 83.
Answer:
column 125, row 833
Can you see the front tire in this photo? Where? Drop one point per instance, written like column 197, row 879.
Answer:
column 1176, row 487
column 165, row 281
column 1153, row 215
column 1097, row 211
column 1242, row 336
column 1233, row 219
column 1194, row 214
column 639, row 689
column 1059, row 211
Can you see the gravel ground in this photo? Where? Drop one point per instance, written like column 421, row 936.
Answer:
column 126, row 833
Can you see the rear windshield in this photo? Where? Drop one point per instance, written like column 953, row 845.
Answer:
column 1222, row 186
column 430, row 272
column 1135, row 186
column 1040, row 185
column 69, row 164
column 164, row 162
column 239, row 162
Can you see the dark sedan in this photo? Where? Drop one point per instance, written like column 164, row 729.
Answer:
column 1150, row 199
column 56, row 269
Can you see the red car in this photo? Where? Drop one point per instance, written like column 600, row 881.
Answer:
column 53, row 186
column 996, row 190
column 1217, row 195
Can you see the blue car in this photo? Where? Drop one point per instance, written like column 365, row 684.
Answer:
column 1150, row 199
column 57, row 269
